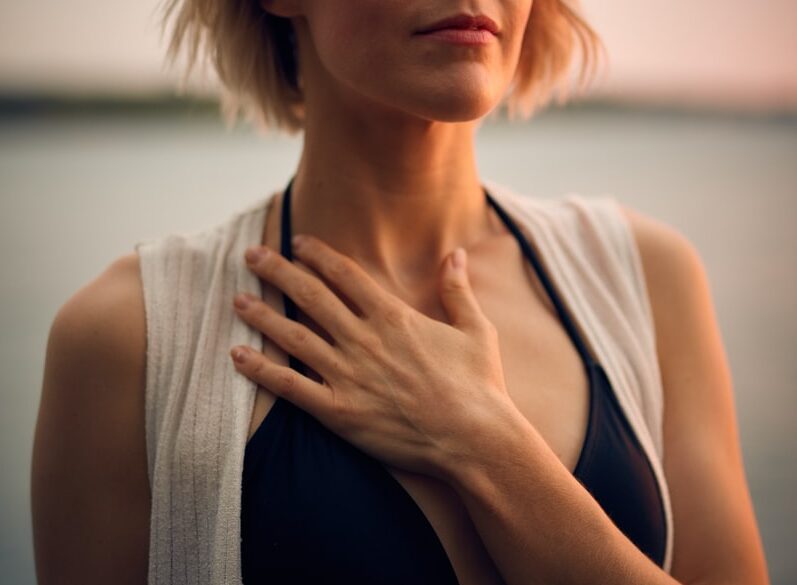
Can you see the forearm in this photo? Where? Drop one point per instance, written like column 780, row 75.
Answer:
column 539, row 524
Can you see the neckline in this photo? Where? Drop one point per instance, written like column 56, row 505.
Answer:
column 528, row 251
column 591, row 365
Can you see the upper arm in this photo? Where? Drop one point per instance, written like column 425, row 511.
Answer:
column 89, row 487
column 715, row 534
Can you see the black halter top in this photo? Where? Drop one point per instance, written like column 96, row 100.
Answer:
column 316, row 509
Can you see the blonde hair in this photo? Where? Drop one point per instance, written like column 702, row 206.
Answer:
column 253, row 54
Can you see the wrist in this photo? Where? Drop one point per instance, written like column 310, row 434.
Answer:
column 465, row 461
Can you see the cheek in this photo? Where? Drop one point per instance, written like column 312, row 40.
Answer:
column 356, row 37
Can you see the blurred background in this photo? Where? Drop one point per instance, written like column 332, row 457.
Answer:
column 695, row 123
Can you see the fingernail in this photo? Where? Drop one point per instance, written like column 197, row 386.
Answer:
column 241, row 300
column 239, row 354
column 255, row 253
column 297, row 240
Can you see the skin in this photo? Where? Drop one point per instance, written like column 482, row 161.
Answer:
column 405, row 138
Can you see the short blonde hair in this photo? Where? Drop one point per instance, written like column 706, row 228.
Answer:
column 253, row 54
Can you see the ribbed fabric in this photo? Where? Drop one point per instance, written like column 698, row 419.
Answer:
column 198, row 407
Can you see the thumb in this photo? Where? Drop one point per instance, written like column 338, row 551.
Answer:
column 456, row 294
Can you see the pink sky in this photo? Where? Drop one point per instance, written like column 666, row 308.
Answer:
column 722, row 52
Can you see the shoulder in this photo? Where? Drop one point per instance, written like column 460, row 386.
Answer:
column 676, row 282
column 104, row 320
column 96, row 350
column 664, row 251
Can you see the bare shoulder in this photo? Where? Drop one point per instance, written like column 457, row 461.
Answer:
column 680, row 297
column 669, row 259
column 107, row 314
column 716, row 537
column 100, row 332
column 688, row 340
column 89, row 485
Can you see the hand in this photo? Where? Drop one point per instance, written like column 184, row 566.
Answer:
column 405, row 388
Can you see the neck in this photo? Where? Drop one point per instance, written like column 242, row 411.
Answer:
column 395, row 193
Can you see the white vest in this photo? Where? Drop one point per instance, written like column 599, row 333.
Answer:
column 198, row 407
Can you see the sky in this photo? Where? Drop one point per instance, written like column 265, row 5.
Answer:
column 723, row 52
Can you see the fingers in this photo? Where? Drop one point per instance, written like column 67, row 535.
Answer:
column 286, row 382
column 456, row 293
column 346, row 274
column 309, row 293
column 292, row 336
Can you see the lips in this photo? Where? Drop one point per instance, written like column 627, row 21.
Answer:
column 463, row 22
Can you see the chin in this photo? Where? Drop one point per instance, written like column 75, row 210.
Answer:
column 456, row 106
column 459, row 97
column 462, row 100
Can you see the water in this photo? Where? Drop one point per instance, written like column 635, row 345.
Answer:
column 77, row 192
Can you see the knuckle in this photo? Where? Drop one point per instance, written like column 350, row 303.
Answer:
column 297, row 336
column 286, row 381
column 341, row 412
column 341, row 369
column 395, row 316
column 307, row 293
column 489, row 330
column 341, row 270
column 371, row 342
column 453, row 285
column 259, row 369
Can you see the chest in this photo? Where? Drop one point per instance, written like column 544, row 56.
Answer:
column 545, row 378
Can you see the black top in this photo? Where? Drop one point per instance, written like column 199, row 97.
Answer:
column 316, row 509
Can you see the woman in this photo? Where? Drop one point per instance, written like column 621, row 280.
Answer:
column 454, row 384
